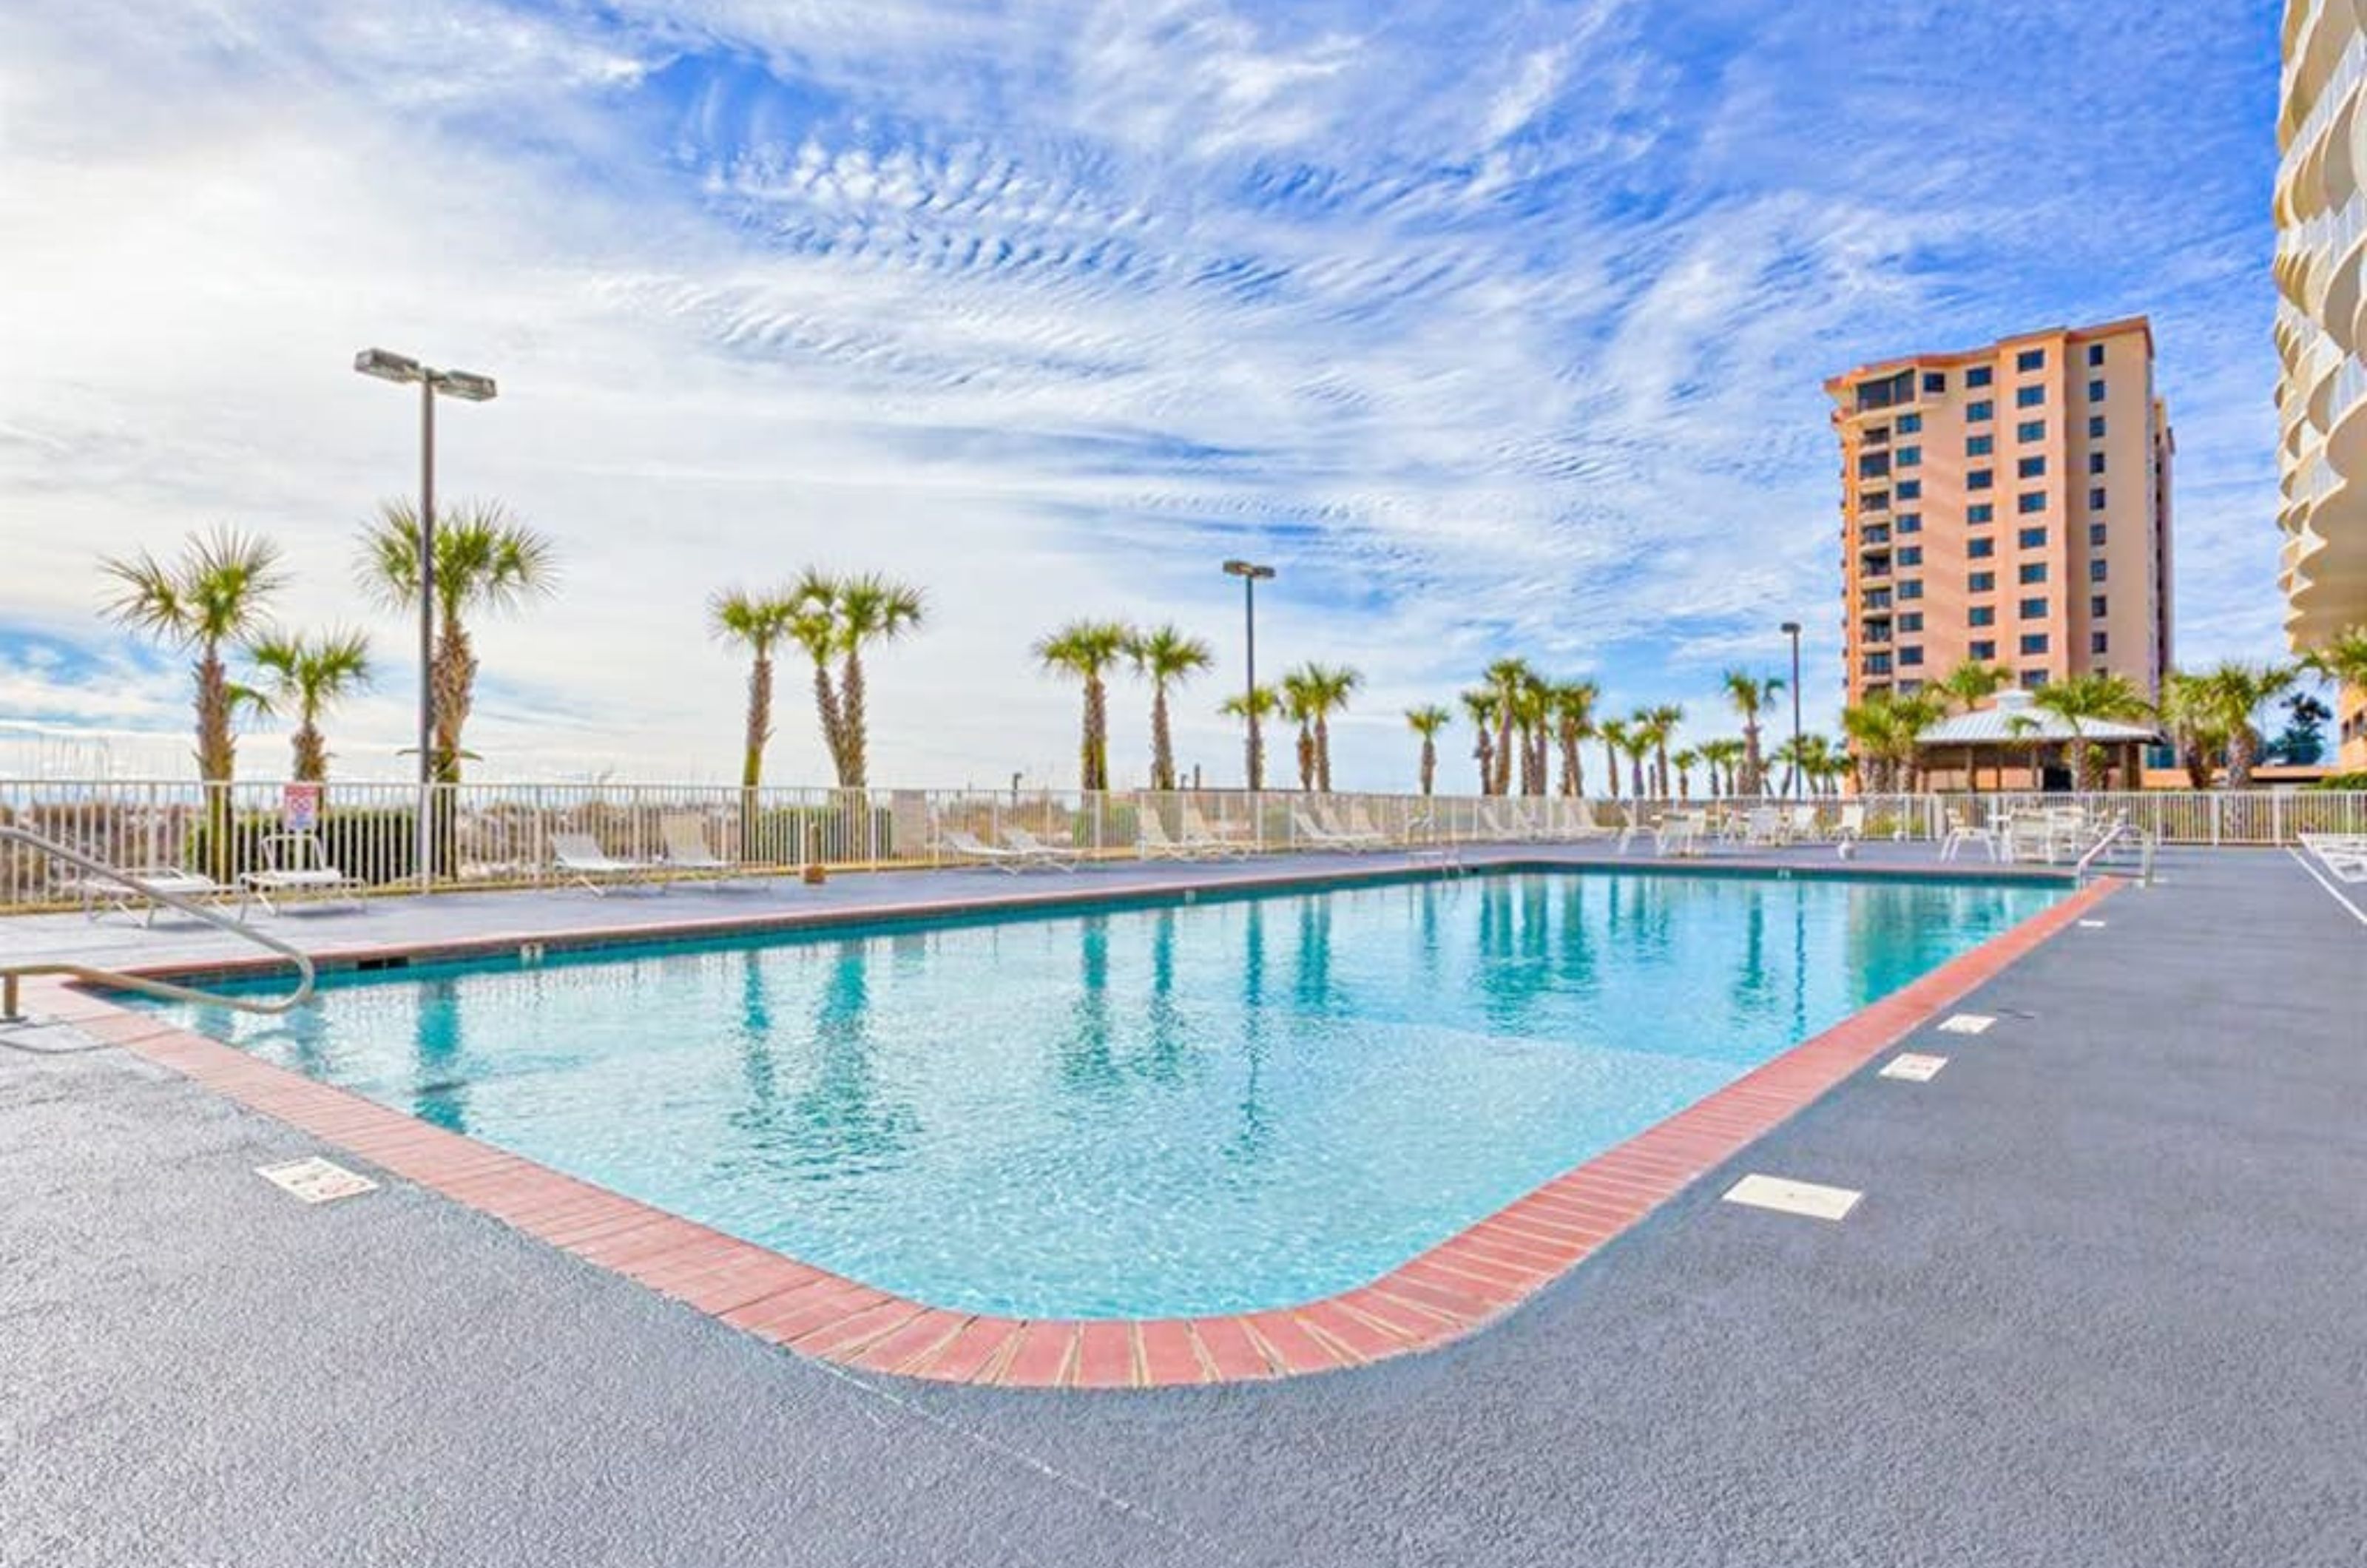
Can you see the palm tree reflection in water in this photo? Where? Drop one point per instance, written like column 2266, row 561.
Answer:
column 441, row 1093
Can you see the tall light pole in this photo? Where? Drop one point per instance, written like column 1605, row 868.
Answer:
column 1792, row 628
column 1251, row 574
column 468, row 387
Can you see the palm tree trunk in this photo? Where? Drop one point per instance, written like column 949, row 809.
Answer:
column 1752, row 765
column 1322, row 753
column 760, row 722
column 1569, row 769
column 1429, row 765
column 217, row 760
column 1484, row 750
column 833, row 723
column 1611, row 766
column 1503, row 753
column 1636, row 762
column 1306, row 758
column 456, row 692
column 311, row 753
column 1090, row 775
column 851, row 718
column 1162, row 747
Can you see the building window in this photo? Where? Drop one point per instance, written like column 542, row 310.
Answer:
column 1984, row 652
column 1980, row 511
column 2030, row 430
column 2099, row 643
column 1912, row 458
column 1980, row 478
column 2095, row 572
column 1908, row 424
column 2095, row 354
column 2033, row 643
column 2031, row 501
column 2032, row 679
column 1912, row 555
column 2095, row 462
column 1981, row 549
column 1910, row 489
column 1982, row 616
column 1978, row 376
column 1872, row 464
column 2030, row 539
column 1874, row 501
column 2030, row 359
column 2031, row 469
column 2032, row 610
column 1912, row 621
column 1877, row 664
column 1912, row 588
column 2032, row 571
column 1979, row 445
column 1979, row 412
column 1910, row 656
column 1935, row 382
column 2096, row 425
column 2095, row 391
column 1980, row 582
column 1910, row 521
column 2096, row 498
column 2095, row 532
column 2030, row 397
column 2097, row 606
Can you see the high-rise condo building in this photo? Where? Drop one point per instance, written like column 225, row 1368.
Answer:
column 2010, row 505
column 2321, row 324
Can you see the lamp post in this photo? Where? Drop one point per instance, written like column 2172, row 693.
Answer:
column 468, row 387
column 1251, row 574
column 1792, row 629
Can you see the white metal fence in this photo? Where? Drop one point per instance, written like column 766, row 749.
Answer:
column 490, row 835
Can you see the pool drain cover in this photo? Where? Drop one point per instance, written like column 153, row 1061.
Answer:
column 1788, row 1197
column 1914, row 1066
column 316, row 1180
column 1967, row 1023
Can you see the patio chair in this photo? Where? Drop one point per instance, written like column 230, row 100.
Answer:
column 969, row 846
column 684, row 843
column 295, row 865
column 1963, row 831
column 1800, row 824
column 1631, row 825
column 100, row 895
column 1313, row 835
column 1347, row 832
column 1762, row 827
column 1196, row 831
column 1681, row 833
column 1152, row 840
column 1360, row 822
column 581, row 860
column 1037, row 852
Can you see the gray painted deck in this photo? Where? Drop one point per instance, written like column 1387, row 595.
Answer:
column 2100, row 1305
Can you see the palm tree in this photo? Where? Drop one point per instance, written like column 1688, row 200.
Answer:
column 759, row 622
column 1573, row 716
column 1299, row 708
column 1665, row 719
column 1685, row 762
column 813, row 625
column 2341, row 659
column 1087, row 649
column 1509, row 679
column 2191, row 714
column 1325, row 690
column 1426, row 722
column 2094, row 695
column 485, row 559
column 1638, row 746
column 1258, row 704
column 209, row 599
column 1885, row 729
column 308, row 674
column 1480, row 704
column 1723, row 755
column 1750, row 695
column 1166, row 657
column 1613, row 733
column 1531, row 702
column 870, row 609
column 1971, row 683
column 2233, row 692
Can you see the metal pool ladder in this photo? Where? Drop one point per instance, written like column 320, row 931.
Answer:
column 2120, row 842
column 90, row 865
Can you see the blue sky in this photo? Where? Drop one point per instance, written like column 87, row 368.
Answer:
column 1496, row 329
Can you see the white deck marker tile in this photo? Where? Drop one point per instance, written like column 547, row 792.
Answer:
column 1967, row 1023
column 1914, row 1066
column 316, row 1180
column 1787, row 1197
column 2091, row 925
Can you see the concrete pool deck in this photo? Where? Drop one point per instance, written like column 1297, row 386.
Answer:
column 2095, row 1307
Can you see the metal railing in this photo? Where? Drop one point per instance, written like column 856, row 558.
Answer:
column 12, row 975
column 499, row 835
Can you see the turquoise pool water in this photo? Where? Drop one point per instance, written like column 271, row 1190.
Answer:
column 1137, row 1111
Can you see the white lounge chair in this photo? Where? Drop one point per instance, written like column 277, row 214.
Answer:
column 1152, row 840
column 581, row 860
column 1800, row 824
column 101, row 894
column 685, row 848
column 1762, row 827
column 1963, row 831
column 1339, row 827
column 295, row 865
column 2344, row 855
column 1197, row 830
column 1359, row 822
column 969, row 846
column 1038, row 853
column 1312, row 834
column 1681, row 833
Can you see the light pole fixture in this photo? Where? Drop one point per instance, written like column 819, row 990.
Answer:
column 468, row 387
column 1252, row 574
column 1792, row 629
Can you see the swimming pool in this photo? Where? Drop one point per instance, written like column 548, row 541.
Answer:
column 1134, row 1111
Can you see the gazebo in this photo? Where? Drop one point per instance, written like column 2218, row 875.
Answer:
column 2019, row 732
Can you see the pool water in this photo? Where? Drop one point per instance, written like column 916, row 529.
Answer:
column 1134, row 1111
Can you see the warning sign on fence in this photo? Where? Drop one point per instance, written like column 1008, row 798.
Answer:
column 299, row 807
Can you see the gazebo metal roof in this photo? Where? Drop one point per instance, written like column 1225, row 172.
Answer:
column 1999, row 726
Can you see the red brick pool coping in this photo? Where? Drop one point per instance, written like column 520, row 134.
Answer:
column 1456, row 1288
